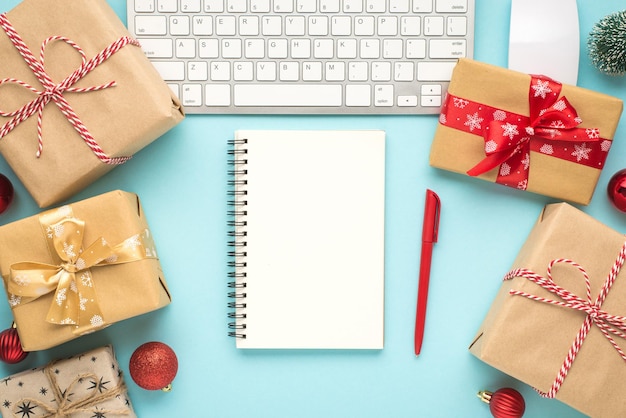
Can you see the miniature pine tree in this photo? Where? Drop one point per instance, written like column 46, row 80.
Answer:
column 607, row 44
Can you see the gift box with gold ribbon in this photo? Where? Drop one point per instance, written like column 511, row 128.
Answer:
column 558, row 321
column 87, row 385
column 77, row 95
column 78, row 268
column 525, row 131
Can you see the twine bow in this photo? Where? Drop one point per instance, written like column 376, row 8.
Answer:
column 75, row 299
column 62, row 406
column 609, row 325
column 54, row 92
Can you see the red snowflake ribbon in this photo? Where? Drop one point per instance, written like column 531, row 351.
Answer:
column 55, row 91
column 609, row 325
column 550, row 129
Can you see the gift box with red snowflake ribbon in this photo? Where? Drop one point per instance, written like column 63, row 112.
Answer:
column 87, row 385
column 77, row 95
column 79, row 268
column 558, row 321
column 525, row 131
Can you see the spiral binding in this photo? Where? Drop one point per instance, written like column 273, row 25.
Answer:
column 237, row 234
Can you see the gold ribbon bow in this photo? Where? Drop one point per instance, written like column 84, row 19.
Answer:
column 75, row 298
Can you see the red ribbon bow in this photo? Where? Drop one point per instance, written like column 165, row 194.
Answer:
column 609, row 325
column 551, row 128
column 54, row 91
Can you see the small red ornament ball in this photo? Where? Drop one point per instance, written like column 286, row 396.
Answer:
column 504, row 403
column 153, row 366
column 617, row 190
column 10, row 347
column 6, row 193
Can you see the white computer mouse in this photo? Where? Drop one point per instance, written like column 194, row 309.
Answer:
column 545, row 38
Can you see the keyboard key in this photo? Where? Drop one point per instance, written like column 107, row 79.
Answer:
column 236, row 6
column 447, row 48
column 217, row 95
column 422, row 6
column 375, row 6
column 185, row 48
column 170, row 70
column 433, row 25
column 352, row 6
column 144, row 6
column 220, row 71
column 197, row 71
column 434, row 71
column 451, row 6
column 383, row 95
column 167, row 6
column 259, row 6
column 202, row 25
column 358, row 95
column 192, row 95
column 287, row 95
column 431, row 101
column 157, row 47
column 306, row 6
column 190, row 6
column 180, row 25
column 399, row 6
column 407, row 101
column 283, row 6
column 150, row 25
column 456, row 26
column 329, row 6
column 213, row 6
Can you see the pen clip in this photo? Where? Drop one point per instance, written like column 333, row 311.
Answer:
column 432, row 209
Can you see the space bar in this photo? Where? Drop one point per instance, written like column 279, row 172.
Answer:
column 287, row 95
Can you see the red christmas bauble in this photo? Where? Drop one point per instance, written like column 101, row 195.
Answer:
column 617, row 190
column 10, row 347
column 153, row 366
column 504, row 403
column 6, row 193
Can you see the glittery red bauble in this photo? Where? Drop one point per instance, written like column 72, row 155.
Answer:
column 6, row 193
column 504, row 403
column 617, row 190
column 10, row 347
column 153, row 366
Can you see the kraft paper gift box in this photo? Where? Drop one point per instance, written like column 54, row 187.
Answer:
column 84, row 133
column 87, row 385
column 78, row 268
column 526, row 132
column 532, row 337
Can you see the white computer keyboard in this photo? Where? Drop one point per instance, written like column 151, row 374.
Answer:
column 305, row 56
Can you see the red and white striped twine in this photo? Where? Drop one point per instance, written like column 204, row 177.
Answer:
column 54, row 91
column 609, row 325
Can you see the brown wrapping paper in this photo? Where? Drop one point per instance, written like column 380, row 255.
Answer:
column 93, row 379
column 529, row 340
column 122, row 119
column 123, row 290
column 505, row 89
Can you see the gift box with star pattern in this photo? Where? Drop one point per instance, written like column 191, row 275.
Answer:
column 88, row 385
column 527, row 132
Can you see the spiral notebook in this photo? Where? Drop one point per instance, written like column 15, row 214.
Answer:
column 307, row 239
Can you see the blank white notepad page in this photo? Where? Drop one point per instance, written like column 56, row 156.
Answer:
column 315, row 239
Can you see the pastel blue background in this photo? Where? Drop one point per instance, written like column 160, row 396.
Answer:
column 181, row 179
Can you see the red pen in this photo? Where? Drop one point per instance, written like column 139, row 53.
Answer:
column 430, row 229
